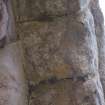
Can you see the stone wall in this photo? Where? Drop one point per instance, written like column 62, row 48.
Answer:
column 61, row 52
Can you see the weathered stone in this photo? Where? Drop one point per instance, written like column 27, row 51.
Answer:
column 3, row 20
column 62, row 49
column 11, row 34
column 42, row 53
column 59, row 53
column 100, row 34
column 26, row 10
column 12, row 78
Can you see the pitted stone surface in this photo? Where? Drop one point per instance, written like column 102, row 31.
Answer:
column 26, row 10
column 58, row 54
column 62, row 49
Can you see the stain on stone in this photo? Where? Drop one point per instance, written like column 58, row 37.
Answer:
column 52, row 80
column 82, row 78
column 86, row 99
column 45, row 17
column 3, row 42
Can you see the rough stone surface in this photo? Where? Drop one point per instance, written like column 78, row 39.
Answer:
column 12, row 78
column 61, row 49
column 58, row 53
column 26, row 10
column 3, row 22
column 100, row 34
column 12, row 81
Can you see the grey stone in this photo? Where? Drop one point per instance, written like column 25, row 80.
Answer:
column 12, row 79
column 3, row 20
column 100, row 34
column 63, row 49
column 58, row 54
